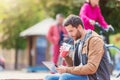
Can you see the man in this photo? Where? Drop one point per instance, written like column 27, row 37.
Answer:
column 89, row 62
column 55, row 36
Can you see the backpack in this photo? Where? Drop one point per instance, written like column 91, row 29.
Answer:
column 103, row 66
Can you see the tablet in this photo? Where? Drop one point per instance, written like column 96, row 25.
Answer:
column 50, row 65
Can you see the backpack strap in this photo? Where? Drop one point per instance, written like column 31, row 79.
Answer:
column 80, row 47
column 89, row 42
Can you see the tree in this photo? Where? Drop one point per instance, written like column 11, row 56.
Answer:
column 17, row 18
column 111, row 10
column 61, row 6
column 18, row 15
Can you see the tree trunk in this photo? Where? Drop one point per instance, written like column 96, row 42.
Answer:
column 16, row 59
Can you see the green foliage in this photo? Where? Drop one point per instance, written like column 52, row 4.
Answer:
column 111, row 10
column 17, row 18
column 65, row 7
column 18, row 15
column 115, row 39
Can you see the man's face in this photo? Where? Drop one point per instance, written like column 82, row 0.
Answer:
column 60, row 20
column 73, row 32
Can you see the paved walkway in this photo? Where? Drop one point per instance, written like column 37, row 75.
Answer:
column 22, row 75
column 16, row 75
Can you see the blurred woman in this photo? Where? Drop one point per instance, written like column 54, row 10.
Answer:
column 90, row 13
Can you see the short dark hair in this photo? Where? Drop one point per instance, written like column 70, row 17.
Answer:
column 73, row 20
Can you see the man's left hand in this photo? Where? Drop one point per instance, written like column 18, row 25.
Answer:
column 61, row 69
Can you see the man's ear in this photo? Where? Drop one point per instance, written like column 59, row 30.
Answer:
column 79, row 27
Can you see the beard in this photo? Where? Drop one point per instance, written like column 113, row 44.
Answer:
column 78, row 35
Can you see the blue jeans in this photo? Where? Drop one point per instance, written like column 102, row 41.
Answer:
column 65, row 76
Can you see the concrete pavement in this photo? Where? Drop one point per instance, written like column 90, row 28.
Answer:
column 16, row 75
column 22, row 75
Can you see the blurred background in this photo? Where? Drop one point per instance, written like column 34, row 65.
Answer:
column 24, row 24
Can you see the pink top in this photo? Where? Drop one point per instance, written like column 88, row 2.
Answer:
column 88, row 12
column 53, row 34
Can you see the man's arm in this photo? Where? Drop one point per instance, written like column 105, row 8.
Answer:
column 50, row 34
column 96, row 51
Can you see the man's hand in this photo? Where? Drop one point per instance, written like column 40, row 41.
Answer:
column 61, row 69
column 64, row 50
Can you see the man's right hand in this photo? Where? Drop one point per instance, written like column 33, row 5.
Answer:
column 64, row 50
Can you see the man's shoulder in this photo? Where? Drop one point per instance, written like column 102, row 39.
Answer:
column 53, row 26
column 95, row 34
column 94, row 37
column 92, row 33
